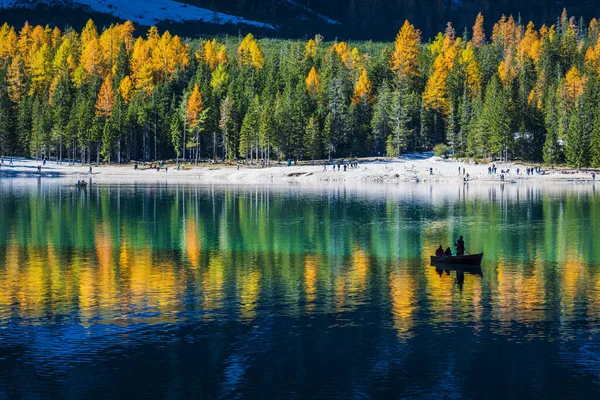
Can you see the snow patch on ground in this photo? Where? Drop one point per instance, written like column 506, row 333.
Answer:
column 147, row 12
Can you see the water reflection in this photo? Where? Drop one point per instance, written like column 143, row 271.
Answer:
column 309, row 276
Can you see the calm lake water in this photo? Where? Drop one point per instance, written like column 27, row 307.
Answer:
column 282, row 292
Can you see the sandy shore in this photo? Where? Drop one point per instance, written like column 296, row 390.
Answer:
column 410, row 168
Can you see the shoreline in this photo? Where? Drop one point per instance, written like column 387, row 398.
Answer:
column 410, row 168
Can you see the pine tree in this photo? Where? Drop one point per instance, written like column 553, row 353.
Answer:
column 402, row 120
column 497, row 120
column 552, row 149
column 266, row 128
column 595, row 139
column 312, row 140
column 176, row 131
column 577, row 139
column 249, row 133
column 381, row 126
column 228, row 128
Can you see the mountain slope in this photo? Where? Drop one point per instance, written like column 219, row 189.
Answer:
column 145, row 12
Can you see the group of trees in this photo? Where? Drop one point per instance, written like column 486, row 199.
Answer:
column 517, row 93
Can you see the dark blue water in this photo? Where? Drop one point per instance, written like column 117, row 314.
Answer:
column 209, row 292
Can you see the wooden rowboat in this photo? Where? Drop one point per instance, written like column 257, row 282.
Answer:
column 469, row 259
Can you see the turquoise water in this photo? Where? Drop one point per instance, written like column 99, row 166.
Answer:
column 131, row 291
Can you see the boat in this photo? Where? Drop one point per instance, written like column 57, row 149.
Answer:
column 468, row 259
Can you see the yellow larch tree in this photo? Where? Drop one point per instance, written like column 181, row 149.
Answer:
column 506, row 69
column 126, row 89
column 126, row 30
column 250, row 53
column 16, row 78
column 91, row 57
column 362, row 89
column 208, row 53
column 41, row 70
column 56, row 38
column 435, row 95
column 160, row 57
column 530, row 46
column 592, row 58
column 39, row 37
column 472, row 70
column 313, row 82
column 25, row 42
column 152, row 37
column 478, row 32
column 310, row 50
column 593, row 28
column 110, row 43
column 106, row 98
column 193, row 116
column 88, row 33
column 574, row 84
column 407, row 48
column 358, row 60
column 8, row 43
column 177, row 53
column 344, row 52
column 194, row 107
column 506, row 32
column 141, row 66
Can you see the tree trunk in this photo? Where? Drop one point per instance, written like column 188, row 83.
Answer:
column 215, row 146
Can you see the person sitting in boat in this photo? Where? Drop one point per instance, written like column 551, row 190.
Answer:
column 448, row 252
column 440, row 251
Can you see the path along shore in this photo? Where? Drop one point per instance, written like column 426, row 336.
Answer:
column 410, row 168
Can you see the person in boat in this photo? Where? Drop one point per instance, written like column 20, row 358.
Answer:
column 448, row 252
column 440, row 251
column 460, row 247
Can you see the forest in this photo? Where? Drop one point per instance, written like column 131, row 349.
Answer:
column 517, row 92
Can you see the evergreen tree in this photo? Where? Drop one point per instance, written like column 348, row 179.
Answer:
column 381, row 126
column 249, row 133
column 595, row 139
column 228, row 128
column 312, row 139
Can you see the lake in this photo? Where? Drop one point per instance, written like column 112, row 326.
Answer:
column 156, row 291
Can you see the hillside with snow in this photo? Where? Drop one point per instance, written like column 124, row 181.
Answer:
column 144, row 12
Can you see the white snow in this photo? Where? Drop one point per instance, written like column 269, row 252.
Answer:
column 148, row 12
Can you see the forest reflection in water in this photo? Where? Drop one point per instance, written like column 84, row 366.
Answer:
column 85, row 270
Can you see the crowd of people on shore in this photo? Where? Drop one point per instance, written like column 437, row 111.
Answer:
column 341, row 164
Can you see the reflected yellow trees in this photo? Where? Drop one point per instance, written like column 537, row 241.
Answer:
column 403, row 299
column 310, row 281
column 146, row 255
